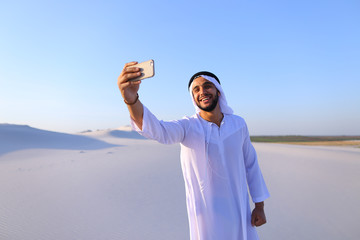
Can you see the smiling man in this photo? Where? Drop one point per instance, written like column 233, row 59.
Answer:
column 207, row 101
column 218, row 161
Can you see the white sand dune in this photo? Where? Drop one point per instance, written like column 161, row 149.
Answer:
column 122, row 132
column 133, row 189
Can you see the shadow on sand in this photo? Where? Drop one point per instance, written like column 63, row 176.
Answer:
column 19, row 137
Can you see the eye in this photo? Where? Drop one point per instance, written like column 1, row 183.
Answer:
column 208, row 86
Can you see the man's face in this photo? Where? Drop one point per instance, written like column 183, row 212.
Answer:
column 205, row 94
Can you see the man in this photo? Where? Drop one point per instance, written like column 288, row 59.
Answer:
column 218, row 161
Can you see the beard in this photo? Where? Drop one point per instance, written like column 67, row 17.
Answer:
column 211, row 106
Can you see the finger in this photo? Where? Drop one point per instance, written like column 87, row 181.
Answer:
column 263, row 221
column 258, row 224
column 130, row 64
column 130, row 83
column 127, row 67
column 137, row 82
column 131, row 70
column 128, row 70
column 260, row 221
column 128, row 76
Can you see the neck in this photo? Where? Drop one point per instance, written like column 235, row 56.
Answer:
column 215, row 116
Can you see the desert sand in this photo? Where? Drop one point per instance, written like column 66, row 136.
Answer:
column 113, row 184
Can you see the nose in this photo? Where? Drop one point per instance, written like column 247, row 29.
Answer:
column 202, row 91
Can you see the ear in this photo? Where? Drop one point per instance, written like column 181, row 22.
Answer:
column 218, row 92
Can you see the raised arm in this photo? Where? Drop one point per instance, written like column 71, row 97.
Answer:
column 129, row 91
column 147, row 124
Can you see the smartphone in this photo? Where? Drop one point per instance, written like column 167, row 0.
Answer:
column 146, row 69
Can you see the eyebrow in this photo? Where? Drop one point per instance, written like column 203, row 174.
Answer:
column 205, row 83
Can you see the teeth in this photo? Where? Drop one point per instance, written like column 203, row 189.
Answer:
column 204, row 99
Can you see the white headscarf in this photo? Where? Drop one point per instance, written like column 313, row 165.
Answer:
column 224, row 108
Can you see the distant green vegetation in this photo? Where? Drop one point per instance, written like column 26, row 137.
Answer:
column 295, row 138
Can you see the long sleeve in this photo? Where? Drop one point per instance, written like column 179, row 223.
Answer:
column 166, row 132
column 256, row 183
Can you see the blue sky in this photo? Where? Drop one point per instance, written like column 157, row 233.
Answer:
column 287, row 67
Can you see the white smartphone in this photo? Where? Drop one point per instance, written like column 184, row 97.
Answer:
column 147, row 70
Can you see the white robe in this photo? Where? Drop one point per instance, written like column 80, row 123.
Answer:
column 218, row 164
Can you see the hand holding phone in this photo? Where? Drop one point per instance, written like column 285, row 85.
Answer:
column 146, row 70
